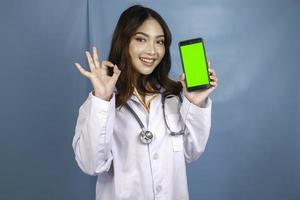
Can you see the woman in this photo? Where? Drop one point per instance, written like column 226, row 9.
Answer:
column 127, row 98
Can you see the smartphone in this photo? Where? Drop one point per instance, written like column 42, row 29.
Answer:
column 194, row 64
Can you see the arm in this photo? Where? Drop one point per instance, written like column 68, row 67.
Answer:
column 196, row 114
column 198, row 122
column 94, row 128
column 93, row 133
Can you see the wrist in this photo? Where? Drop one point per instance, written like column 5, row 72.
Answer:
column 199, row 103
column 101, row 96
column 203, row 104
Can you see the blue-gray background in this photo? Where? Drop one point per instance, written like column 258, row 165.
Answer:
column 253, row 151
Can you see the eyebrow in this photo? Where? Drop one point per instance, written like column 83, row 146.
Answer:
column 148, row 35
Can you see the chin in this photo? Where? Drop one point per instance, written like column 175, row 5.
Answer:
column 146, row 72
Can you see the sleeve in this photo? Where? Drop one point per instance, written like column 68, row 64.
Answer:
column 197, row 121
column 93, row 133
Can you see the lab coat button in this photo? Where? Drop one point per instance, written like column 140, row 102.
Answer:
column 155, row 156
column 158, row 188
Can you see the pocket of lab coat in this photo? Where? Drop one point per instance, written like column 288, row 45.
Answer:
column 175, row 125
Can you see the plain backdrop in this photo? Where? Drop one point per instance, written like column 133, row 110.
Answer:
column 254, row 147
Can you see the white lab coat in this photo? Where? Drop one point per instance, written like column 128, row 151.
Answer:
column 106, row 144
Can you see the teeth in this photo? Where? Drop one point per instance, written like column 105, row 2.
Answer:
column 147, row 60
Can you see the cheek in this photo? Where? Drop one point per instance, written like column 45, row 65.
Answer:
column 135, row 49
column 161, row 53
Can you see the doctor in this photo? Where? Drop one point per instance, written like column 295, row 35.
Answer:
column 137, row 147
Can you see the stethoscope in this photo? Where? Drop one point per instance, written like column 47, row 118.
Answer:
column 146, row 136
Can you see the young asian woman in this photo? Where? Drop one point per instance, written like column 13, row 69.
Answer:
column 138, row 128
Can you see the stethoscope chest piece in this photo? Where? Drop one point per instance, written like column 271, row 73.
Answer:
column 146, row 137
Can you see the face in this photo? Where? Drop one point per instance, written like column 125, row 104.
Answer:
column 146, row 47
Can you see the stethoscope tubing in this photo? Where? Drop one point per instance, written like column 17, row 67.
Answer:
column 147, row 136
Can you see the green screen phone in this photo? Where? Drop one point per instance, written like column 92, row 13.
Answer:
column 194, row 64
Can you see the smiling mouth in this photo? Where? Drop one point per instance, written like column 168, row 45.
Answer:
column 147, row 61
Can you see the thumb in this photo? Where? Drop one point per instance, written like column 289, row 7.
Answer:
column 182, row 80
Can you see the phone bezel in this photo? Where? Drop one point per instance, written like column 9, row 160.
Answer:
column 188, row 42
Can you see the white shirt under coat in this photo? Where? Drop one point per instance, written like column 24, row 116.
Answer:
column 106, row 145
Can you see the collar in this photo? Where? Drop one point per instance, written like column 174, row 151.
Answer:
column 147, row 100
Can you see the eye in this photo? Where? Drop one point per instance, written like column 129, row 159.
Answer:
column 140, row 39
column 161, row 42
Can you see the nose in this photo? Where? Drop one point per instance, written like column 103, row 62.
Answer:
column 151, row 49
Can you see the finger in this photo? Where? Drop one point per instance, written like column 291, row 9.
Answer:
column 82, row 70
column 213, row 83
column 116, row 73
column 182, row 77
column 106, row 63
column 117, row 70
column 212, row 72
column 90, row 60
column 106, row 67
column 214, row 78
column 182, row 80
column 96, row 58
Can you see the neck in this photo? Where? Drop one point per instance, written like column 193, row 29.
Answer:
column 136, row 85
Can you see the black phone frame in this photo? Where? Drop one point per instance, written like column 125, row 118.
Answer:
column 193, row 41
